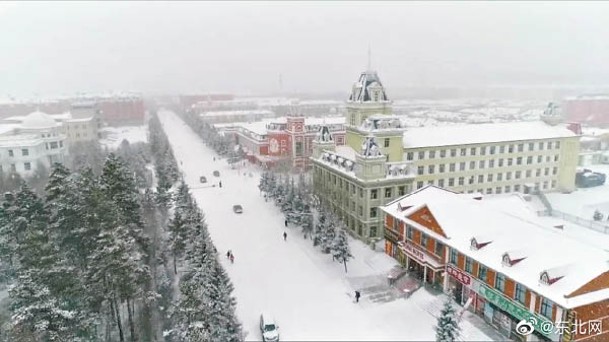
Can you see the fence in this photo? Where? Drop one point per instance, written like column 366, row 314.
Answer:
column 594, row 225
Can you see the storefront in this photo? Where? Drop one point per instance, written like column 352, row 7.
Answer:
column 421, row 264
column 391, row 245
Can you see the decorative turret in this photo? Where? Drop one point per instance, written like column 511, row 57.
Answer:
column 552, row 115
column 323, row 141
column 371, row 163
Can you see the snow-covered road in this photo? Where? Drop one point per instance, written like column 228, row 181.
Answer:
column 309, row 294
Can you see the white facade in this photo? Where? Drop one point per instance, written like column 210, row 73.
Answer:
column 37, row 141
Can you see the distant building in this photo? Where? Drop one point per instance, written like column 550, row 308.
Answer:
column 587, row 109
column 37, row 140
column 236, row 116
column 188, row 100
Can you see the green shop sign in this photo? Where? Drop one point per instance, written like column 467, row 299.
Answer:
column 541, row 324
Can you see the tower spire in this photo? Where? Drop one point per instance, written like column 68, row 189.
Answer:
column 369, row 58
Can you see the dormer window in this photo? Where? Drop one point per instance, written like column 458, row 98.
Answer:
column 476, row 245
column 546, row 279
column 506, row 260
column 473, row 244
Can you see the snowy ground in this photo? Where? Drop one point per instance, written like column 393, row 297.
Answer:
column 309, row 294
column 116, row 135
column 583, row 202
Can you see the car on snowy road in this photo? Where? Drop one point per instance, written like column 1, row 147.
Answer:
column 216, row 173
column 203, row 179
column 238, row 209
column 268, row 328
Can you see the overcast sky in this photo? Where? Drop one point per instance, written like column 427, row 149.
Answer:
column 61, row 48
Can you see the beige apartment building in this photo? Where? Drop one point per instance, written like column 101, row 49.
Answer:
column 494, row 158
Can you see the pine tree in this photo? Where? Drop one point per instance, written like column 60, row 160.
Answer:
column 340, row 248
column 178, row 234
column 327, row 236
column 320, row 228
column 447, row 328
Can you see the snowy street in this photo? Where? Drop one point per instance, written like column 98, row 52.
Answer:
column 309, row 295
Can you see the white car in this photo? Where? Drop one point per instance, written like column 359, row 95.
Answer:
column 268, row 328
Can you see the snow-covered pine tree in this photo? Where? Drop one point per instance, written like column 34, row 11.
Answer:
column 320, row 228
column 178, row 234
column 328, row 235
column 340, row 248
column 447, row 328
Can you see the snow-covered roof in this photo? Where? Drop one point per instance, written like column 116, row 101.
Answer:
column 463, row 218
column 255, row 112
column 346, row 152
column 38, row 120
column 17, row 140
column 482, row 133
column 328, row 120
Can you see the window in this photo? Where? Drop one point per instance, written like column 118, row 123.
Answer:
column 554, row 170
column 451, row 182
column 46, row 145
column 25, row 152
column 374, row 194
column 539, row 159
column 557, row 145
column 528, row 173
column 531, row 146
column 373, row 212
column 510, row 148
column 439, row 248
column 519, row 161
column 53, row 145
column 549, row 145
column 545, row 185
column 387, row 192
column 481, row 164
column 498, row 190
column 516, row 187
column 27, row 166
column 462, row 166
column 424, row 240
column 520, row 147
column 420, row 170
column 441, row 183
column 419, row 185
column 489, row 191
column 361, row 193
column 491, row 163
column 451, row 167
column 453, row 152
column 489, row 178
column 508, row 175
column 432, row 154
column 409, row 232
column 553, row 184
column 453, row 256
column 463, row 152
column 548, row 158
column 480, row 178
column 520, row 293
column 500, row 162
column 472, row 165
column 430, row 168
column 537, row 172
column 386, row 142
column 471, row 180
column 546, row 171
column 421, row 154
column 500, row 282
column 517, row 174
column 461, row 180
column 510, row 161
column 372, row 231
column 360, row 210
column 499, row 176
column 482, row 273
column 472, row 151
column 529, row 160
column 468, row 265
column 401, row 190
column 508, row 188
column 409, row 155
column 483, row 150
column 298, row 150
column 13, row 168
column 556, row 158
column 546, row 307
column 10, row 153
column 441, row 168
column 442, row 153
column 492, row 148
column 541, row 145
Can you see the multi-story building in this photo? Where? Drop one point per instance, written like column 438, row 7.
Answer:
column 494, row 158
column 355, row 179
column 587, row 109
column 236, row 116
column 284, row 139
column 501, row 264
column 36, row 141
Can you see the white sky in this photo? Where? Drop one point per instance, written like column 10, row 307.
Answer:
column 56, row 48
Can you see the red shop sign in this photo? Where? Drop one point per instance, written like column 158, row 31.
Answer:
column 462, row 277
column 417, row 254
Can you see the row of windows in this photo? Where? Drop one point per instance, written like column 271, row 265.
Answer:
column 483, row 150
column 425, row 240
column 546, row 185
column 482, row 164
column 490, row 178
column 519, row 290
column 27, row 166
column 24, row 152
column 374, row 193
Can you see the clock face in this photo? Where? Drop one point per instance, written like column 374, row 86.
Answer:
column 274, row 146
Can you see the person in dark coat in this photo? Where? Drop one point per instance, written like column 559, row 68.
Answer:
column 285, row 236
column 357, row 295
column 228, row 254
column 285, row 223
column 232, row 258
column 220, row 183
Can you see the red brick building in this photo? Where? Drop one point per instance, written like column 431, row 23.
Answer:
column 589, row 109
column 502, row 264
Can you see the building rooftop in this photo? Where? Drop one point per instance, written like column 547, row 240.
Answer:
column 482, row 133
column 254, row 112
column 544, row 248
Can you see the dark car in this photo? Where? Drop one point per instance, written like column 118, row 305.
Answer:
column 238, row 209
column 216, row 173
column 202, row 179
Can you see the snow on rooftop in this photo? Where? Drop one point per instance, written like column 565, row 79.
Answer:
column 254, row 112
column 482, row 133
column 116, row 135
column 508, row 228
column 346, row 152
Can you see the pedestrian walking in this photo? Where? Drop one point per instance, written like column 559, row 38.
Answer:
column 228, row 254
column 285, row 236
column 285, row 223
column 232, row 258
column 357, row 295
column 220, row 184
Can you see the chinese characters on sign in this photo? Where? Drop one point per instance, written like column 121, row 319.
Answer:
column 417, row 254
column 564, row 328
column 460, row 276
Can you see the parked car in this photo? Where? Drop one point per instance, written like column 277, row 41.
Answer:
column 203, row 179
column 237, row 208
column 268, row 328
column 216, row 173
column 587, row 178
